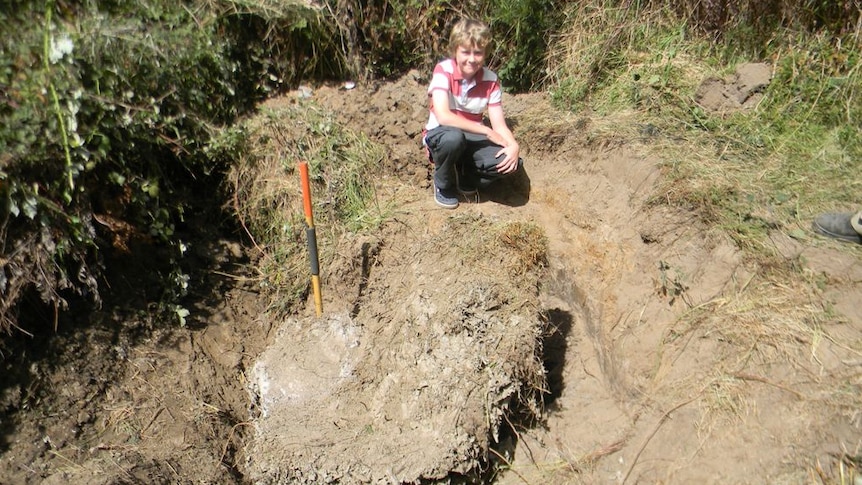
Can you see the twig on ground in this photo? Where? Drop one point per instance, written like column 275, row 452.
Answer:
column 749, row 377
column 520, row 440
column 610, row 449
column 661, row 421
column 229, row 438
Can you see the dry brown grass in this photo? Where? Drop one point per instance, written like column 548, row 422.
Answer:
column 718, row 16
column 528, row 246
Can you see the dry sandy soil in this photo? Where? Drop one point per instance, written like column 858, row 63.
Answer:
column 664, row 354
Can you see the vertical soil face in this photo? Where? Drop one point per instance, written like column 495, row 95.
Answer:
column 668, row 359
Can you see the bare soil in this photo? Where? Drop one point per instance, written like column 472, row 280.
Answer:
column 652, row 350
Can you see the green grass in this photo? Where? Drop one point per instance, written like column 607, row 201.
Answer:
column 773, row 167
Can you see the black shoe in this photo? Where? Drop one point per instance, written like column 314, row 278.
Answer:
column 839, row 226
column 466, row 185
column 467, row 189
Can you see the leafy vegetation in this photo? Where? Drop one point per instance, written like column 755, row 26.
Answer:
column 105, row 108
column 522, row 30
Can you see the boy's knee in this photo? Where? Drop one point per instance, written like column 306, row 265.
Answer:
column 452, row 139
column 445, row 141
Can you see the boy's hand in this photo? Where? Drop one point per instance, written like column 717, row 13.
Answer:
column 510, row 163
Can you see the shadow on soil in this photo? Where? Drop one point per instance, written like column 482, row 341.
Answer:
column 561, row 308
column 513, row 191
column 53, row 388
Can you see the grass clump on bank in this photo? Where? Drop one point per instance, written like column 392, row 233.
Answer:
column 268, row 197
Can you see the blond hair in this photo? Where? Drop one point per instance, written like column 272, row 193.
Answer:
column 469, row 32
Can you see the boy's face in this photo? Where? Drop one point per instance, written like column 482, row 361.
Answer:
column 469, row 59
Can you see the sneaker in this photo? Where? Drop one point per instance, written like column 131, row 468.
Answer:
column 445, row 197
column 839, row 226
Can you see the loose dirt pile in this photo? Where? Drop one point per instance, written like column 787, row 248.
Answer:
column 413, row 378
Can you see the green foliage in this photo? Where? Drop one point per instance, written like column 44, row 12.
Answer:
column 720, row 18
column 522, row 29
column 811, row 118
column 283, row 42
column 149, row 104
column 590, row 50
column 383, row 39
column 106, row 109
column 390, row 33
column 796, row 154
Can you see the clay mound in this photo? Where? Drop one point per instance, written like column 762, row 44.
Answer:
column 740, row 91
column 414, row 381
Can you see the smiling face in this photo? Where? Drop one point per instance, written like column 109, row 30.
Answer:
column 468, row 44
column 469, row 58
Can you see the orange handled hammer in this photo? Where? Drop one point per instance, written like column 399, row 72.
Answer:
column 311, row 237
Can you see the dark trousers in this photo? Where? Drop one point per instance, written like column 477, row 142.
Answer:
column 468, row 156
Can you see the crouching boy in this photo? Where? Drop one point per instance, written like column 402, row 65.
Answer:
column 467, row 153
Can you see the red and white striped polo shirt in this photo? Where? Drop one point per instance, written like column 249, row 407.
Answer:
column 468, row 99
